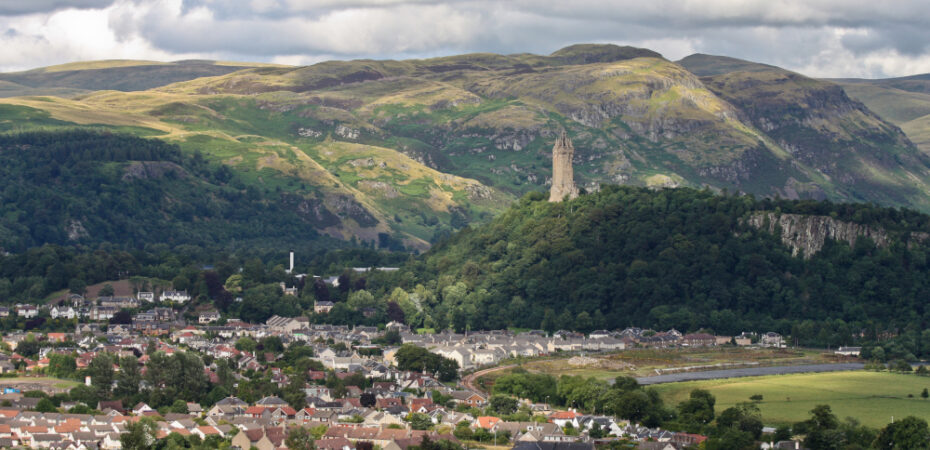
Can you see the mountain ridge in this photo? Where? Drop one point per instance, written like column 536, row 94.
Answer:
column 455, row 139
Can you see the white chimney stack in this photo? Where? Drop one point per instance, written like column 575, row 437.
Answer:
column 292, row 263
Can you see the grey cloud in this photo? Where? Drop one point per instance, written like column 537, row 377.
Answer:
column 907, row 39
column 20, row 7
column 826, row 36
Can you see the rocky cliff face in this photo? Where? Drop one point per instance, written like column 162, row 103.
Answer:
column 807, row 234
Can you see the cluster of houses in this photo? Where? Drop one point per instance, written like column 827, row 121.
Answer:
column 103, row 308
column 265, row 423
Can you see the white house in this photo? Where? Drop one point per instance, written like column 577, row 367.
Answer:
column 482, row 357
column 848, row 351
column 773, row 339
column 460, row 355
column 208, row 316
column 175, row 296
column 146, row 296
column 63, row 312
column 27, row 311
column 98, row 313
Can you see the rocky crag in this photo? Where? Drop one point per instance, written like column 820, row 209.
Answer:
column 806, row 234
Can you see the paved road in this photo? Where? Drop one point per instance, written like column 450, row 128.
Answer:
column 748, row 372
column 470, row 381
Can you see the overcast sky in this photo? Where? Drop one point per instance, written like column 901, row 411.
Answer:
column 827, row 38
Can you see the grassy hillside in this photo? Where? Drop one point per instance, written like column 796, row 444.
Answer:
column 417, row 149
column 904, row 102
column 845, row 150
column 709, row 65
column 120, row 75
column 918, row 130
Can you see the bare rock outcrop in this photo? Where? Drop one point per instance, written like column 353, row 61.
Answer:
column 807, row 233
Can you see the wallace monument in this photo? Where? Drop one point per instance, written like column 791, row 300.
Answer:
column 563, row 180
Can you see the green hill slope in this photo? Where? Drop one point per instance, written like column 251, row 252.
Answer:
column 856, row 154
column 89, row 188
column 119, row 75
column 904, row 102
column 424, row 147
column 678, row 258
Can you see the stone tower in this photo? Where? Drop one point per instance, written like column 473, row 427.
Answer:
column 563, row 178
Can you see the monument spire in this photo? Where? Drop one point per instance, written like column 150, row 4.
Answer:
column 563, row 178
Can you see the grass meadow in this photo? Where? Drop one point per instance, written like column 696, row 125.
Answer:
column 870, row 397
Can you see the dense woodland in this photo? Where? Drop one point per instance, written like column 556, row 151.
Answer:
column 679, row 258
column 86, row 187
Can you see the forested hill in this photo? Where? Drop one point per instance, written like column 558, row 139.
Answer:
column 85, row 187
column 686, row 259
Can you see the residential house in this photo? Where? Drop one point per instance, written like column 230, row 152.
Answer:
column 688, row 439
column 322, row 306
column 334, row 444
column 100, row 313
column 63, row 312
column 698, row 340
column 657, row 445
column 265, row 438
column 553, row 446
column 27, row 311
column 288, row 290
column 208, row 317
column 118, row 302
column 561, row 418
column 175, row 296
column 469, row 398
column 772, row 339
column 848, row 351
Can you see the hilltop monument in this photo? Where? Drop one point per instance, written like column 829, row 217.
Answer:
column 563, row 178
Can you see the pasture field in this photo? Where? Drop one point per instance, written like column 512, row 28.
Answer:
column 870, row 397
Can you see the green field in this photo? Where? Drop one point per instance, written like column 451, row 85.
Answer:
column 870, row 397
column 49, row 381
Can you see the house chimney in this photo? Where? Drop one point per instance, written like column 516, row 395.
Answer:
column 292, row 263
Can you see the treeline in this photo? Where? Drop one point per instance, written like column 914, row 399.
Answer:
column 673, row 258
column 37, row 272
column 736, row 427
column 86, row 187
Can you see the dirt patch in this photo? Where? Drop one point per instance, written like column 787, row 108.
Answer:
column 599, row 363
column 121, row 288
